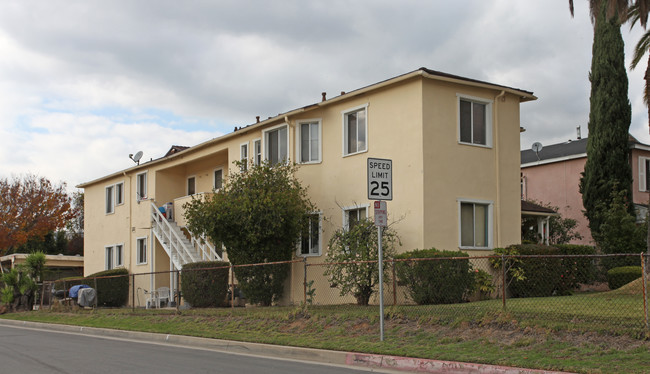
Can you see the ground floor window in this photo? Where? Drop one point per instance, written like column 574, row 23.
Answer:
column 141, row 246
column 475, row 224
column 310, row 243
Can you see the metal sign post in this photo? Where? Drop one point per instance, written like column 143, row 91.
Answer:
column 380, row 187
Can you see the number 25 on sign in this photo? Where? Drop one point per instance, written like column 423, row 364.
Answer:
column 380, row 179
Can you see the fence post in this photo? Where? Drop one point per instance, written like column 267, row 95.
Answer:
column 304, row 283
column 178, row 290
column 503, row 281
column 394, row 284
column 232, row 282
column 96, row 292
column 644, row 279
column 42, row 296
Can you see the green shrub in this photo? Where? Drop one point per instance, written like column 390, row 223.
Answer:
column 436, row 281
column 543, row 276
column 618, row 277
column 204, row 286
column 588, row 269
column 111, row 292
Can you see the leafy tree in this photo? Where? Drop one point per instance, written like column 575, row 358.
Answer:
column 20, row 282
column 259, row 216
column 607, row 167
column 620, row 233
column 562, row 230
column 353, row 255
column 31, row 207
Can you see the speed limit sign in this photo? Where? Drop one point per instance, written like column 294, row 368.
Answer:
column 380, row 179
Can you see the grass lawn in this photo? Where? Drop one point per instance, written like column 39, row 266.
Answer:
column 588, row 333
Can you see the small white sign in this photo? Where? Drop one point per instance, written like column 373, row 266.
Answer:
column 381, row 214
column 380, row 179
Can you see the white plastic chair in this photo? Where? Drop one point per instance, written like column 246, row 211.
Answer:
column 163, row 296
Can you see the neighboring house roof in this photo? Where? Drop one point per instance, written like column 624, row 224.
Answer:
column 421, row 72
column 555, row 152
column 528, row 207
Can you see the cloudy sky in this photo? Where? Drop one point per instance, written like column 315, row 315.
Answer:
column 85, row 83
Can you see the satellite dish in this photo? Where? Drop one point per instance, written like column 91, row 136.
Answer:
column 137, row 157
column 537, row 147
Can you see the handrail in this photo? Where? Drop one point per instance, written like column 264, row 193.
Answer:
column 163, row 228
column 207, row 249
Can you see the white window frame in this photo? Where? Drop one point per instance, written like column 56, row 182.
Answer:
column 214, row 178
column 643, row 172
column 299, row 149
column 138, row 251
column 120, row 186
column 257, row 152
column 346, row 209
column 242, row 157
column 320, row 238
column 187, row 185
column 142, row 187
column 109, row 253
column 109, row 193
column 265, row 137
column 119, row 254
column 345, row 125
column 490, row 223
column 488, row 118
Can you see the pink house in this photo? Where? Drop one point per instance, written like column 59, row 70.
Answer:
column 552, row 176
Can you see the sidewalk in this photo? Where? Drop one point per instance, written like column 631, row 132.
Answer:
column 404, row 364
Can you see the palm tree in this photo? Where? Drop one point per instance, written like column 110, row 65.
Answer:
column 617, row 8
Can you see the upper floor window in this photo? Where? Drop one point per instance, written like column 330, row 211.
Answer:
column 475, row 224
column 218, row 179
column 310, row 242
column 276, row 143
column 644, row 175
column 355, row 131
column 110, row 206
column 243, row 156
column 141, row 186
column 475, row 121
column 191, row 186
column 309, row 146
column 257, row 151
column 119, row 193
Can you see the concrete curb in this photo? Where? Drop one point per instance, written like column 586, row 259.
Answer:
column 394, row 363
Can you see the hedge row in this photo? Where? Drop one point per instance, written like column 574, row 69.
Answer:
column 205, row 284
column 619, row 277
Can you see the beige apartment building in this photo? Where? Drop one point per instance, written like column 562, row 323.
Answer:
column 454, row 146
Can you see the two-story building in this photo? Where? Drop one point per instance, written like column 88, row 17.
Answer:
column 453, row 142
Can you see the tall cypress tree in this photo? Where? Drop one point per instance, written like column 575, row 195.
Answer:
column 608, row 167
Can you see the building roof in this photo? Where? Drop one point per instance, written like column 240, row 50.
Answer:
column 566, row 150
column 532, row 208
column 421, row 72
column 175, row 149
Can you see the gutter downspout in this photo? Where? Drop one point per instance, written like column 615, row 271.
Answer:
column 495, row 126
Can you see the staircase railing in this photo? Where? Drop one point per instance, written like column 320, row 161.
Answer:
column 206, row 249
column 173, row 244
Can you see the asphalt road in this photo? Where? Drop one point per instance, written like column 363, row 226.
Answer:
column 25, row 350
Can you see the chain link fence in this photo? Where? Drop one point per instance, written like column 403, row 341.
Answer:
column 555, row 291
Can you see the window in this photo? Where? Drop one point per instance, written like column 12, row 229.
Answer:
column 475, row 224
column 257, row 151
column 276, row 145
column 141, row 246
column 141, row 186
column 352, row 215
column 191, row 186
column 109, row 258
column 310, row 240
column 355, row 130
column 119, row 193
column 309, row 143
column 475, row 121
column 644, row 175
column 110, row 207
column 119, row 255
column 243, row 156
column 218, row 179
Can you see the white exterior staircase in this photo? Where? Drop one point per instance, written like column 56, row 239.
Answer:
column 178, row 247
